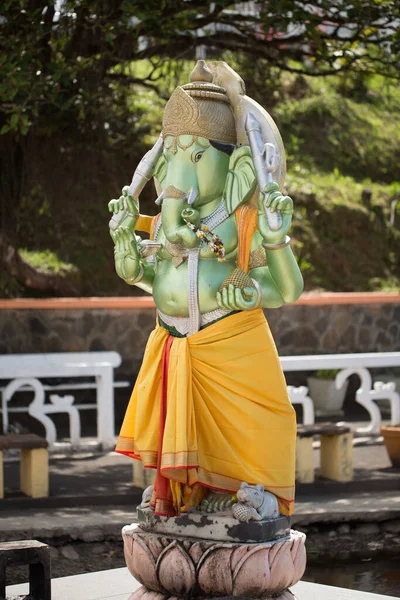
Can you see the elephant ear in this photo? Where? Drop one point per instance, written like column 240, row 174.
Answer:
column 241, row 182
column 160, row 174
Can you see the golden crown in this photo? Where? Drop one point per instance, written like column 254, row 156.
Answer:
column 200, row 109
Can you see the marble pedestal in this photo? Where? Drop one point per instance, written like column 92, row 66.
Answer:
column 176, row 566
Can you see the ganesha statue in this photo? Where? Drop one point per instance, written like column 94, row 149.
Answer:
column 210, row 411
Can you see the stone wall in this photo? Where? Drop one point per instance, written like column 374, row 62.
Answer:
column 125, row 331
column 336, row 328
column 297, row 329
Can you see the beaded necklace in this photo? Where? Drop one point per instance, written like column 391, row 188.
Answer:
column 212, row 240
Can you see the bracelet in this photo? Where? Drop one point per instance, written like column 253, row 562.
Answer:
column 138, row 278
column 258, row 288
column 277, row 246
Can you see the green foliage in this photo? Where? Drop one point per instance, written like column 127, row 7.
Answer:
column 47, row 262
column 340, row 149
column 327, row 373
column 358, row 135
column 9, row 286
column 81, row 99
column 333, row 189
column 342, row 238
column 69, row 62
column 63, row 207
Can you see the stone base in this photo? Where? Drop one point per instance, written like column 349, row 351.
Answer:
column 221, row 527
column 171, row 566
column 144, row 594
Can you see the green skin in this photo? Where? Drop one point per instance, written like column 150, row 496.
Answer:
column 206, row 170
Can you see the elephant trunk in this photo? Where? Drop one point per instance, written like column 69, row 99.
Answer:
column 174, row 226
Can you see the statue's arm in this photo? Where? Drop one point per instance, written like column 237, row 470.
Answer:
column 280, row 280
column 146, row 283
column 281, row 277
column 129, row 264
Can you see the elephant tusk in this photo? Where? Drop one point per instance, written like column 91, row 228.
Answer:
column 192, row 195
column 145, row 169
column 160, row 198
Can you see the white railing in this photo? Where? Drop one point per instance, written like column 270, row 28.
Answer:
column 350, row 364
column 25, row 372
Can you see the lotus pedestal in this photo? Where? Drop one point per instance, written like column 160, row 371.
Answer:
column 171, row 566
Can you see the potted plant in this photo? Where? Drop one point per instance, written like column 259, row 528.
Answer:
column 328, row 401
column 391, row 437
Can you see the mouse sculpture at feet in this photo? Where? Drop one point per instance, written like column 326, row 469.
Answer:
column 210, row 411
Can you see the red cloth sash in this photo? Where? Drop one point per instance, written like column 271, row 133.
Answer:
column 162, row 497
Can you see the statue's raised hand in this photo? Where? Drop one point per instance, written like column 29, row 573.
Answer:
column 275, row 202
column 236, row 298
column 126, row 254
column 125, row 210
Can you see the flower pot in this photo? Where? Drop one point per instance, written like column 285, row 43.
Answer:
column 328, row 401
column 391, row 436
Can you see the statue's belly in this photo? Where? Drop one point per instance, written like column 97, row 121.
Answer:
column 170, row 286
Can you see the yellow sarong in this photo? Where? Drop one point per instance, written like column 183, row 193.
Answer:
column 228, row 415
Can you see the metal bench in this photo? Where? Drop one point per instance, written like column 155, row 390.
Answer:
column 26, row 370
column 34, row 467
column 336, row 453
column 299, row 395
column 351, row 364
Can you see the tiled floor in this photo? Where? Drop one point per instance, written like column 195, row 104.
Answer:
column 118, row 584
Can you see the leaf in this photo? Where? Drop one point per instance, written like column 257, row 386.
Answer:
column 14, row 121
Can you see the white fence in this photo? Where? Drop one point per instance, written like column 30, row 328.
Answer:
column 24, row 371
column 350, row 364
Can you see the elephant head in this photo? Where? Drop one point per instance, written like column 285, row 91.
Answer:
column 201, row 163
column 196, row 172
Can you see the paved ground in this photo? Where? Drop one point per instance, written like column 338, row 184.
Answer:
column 91, row 494
column 95, row 523
column 92, row 497
column 117, row 584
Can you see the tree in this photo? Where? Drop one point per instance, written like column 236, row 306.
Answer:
column 67, row 64
column 61, row 62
